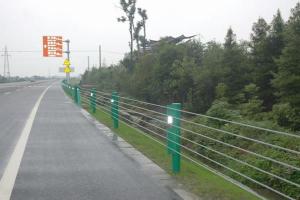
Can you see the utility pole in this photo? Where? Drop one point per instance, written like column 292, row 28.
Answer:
column 68, row 57
column 88, row 59
column 99, row 56
column 6, row 71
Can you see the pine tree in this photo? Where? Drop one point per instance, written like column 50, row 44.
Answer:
column 235, row 65
column 287, row 80
column 276, row 35
column 262, row 61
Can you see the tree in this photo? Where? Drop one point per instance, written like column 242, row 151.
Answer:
column 206, row 76
column 137, row 30
column 253, row 106
column 235, row 66
column 230, row 39
column 260, row 31
column 266, row 46
column 129, row 9
column 181, row 79
column 287, row 80
column 276, row 35
column 143, row 14
column 262, row 61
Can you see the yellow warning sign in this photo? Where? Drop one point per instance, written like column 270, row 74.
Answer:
column 67, row 69
column 67, row 63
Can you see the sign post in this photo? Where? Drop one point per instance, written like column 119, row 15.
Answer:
column 67, row 71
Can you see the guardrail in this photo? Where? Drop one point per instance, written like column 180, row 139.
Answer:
column 198, row 142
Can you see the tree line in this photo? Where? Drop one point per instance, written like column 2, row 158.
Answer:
column 259, row 79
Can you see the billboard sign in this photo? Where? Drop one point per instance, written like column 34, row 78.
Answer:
column 52, row 46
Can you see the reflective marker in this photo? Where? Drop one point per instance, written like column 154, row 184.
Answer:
column 170, row 120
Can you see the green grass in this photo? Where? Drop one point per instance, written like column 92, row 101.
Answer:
column 196, row 179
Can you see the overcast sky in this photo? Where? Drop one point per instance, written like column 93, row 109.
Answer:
column 89, row 23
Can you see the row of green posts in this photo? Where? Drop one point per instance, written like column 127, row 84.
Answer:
column 75, row 93
column 173, row 113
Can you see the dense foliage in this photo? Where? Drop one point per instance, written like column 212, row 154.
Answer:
column 256, row 81
column 260, row 77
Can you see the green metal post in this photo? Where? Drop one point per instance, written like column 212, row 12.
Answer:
column 71, row 92
column 78, row 97
column 115, row 109
column 75, row 95
column 173, row 135
column 93, row 100
column 169, row 130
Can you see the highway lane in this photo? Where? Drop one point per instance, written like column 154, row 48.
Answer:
column 66, row 157
column 16, row 102
column 7, row 88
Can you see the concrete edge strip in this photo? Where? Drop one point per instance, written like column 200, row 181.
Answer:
column 9, row 176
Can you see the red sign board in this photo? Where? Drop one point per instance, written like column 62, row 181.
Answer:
column 52, row 46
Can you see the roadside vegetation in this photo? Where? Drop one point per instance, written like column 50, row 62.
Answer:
column 196, row 179
column 255, row 82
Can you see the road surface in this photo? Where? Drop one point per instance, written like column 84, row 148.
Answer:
column 65, row 156
column 16, row 103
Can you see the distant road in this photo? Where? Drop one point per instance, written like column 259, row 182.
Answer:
column 65, row 156
column 7, row 87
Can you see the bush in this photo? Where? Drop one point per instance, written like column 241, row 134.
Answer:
column 285, row 115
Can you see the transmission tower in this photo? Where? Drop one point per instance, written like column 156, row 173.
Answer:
column 6, row 71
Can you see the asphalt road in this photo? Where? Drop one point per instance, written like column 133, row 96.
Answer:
column 66, row 157
column 16, row 103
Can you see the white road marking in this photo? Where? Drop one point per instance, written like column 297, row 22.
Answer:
column 6, row 93
column 9, row 176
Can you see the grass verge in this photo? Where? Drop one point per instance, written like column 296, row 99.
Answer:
column 196, row 179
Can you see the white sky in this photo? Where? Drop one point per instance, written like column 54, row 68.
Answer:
column 89, row 23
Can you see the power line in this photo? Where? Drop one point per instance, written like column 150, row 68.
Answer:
column 6, row 70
